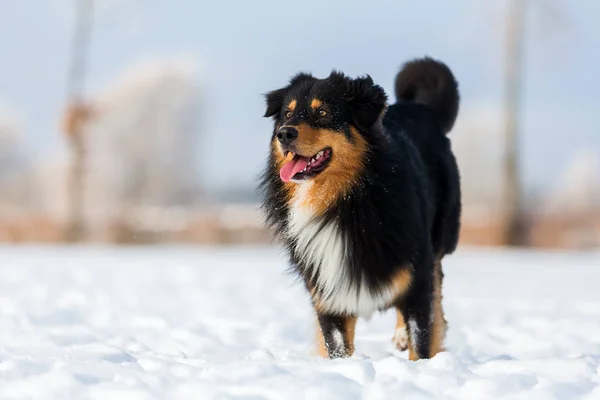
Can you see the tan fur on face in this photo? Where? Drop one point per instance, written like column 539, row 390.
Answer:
column 345, row 166
column 346, row 163
column 292, row 105
column 316, row 103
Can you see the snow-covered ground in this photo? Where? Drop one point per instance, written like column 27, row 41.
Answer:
column 181, row 323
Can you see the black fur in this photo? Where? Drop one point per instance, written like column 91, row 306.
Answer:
column 430, row 82
column 404, row 210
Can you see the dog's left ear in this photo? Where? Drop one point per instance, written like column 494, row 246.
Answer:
column 366, row 100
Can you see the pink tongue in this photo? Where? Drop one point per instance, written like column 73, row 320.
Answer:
column 291, row 168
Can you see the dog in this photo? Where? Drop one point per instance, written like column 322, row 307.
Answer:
column 365, row 197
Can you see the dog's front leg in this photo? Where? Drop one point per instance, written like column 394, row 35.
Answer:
column 335, row 335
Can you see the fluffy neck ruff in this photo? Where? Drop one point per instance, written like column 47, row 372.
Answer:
column 333, row 264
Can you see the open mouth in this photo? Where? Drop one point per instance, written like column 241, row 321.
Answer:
column 300, row 168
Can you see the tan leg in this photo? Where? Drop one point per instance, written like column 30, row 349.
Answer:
column 321, row 348
column 412, row 354
column 329, row 329
column 400, row 338
column 349, row 331
column 439, row 325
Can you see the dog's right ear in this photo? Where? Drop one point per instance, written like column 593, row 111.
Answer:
column 275, row 101
column 276, row 97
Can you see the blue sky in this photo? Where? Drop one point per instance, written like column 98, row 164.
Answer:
column 245, row 48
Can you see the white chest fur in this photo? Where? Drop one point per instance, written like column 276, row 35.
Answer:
column 325, row 249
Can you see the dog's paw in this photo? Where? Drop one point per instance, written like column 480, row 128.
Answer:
column 400, row 339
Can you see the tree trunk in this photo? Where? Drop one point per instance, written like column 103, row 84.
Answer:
column 514, row 227
column 76, row 116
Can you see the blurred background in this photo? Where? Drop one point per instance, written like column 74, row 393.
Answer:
column 130, row 121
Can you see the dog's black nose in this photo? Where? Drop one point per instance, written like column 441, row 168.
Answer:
column 287, row 135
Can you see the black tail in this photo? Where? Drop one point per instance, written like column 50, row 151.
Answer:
column 430, row 82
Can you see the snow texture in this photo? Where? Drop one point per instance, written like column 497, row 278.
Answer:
column 182, row 323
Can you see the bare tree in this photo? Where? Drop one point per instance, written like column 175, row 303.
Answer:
column 552, row 20
column 76, row 115
column 514, row 229
column 143, row 147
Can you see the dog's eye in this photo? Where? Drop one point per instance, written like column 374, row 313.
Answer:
column 322, row 113
column 287, row 114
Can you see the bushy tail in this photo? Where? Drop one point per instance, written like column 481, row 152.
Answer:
column 430, row 82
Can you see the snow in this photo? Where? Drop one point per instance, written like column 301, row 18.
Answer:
column 229, row 323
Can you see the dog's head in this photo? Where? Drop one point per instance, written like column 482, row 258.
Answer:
column 321, row 125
